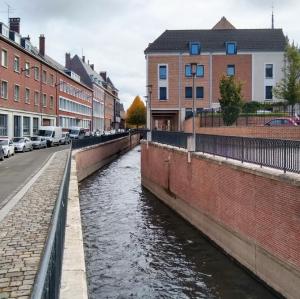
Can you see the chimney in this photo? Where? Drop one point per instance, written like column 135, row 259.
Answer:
column 103, row 75
column 14, row 24
column 92, row 66
column 68, row 60
column 83, row 58
column 42, row 45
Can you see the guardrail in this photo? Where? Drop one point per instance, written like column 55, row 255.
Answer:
column 88, row 141
column 274, row 153
column 178, row 139
column 47, row 282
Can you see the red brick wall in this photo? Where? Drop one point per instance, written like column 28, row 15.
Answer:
column 263, row 132
column 262, row 209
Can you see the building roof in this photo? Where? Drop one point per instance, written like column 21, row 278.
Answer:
column 223, row 24
column 214, row 40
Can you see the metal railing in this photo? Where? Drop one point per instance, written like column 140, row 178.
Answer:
column 178, row 139
column 274, row 153
column 47, row 283
column 88, row 141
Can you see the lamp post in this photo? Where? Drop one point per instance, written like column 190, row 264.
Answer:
column 149, row 98
column 194, row 71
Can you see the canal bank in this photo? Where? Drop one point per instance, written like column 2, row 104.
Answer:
column 251, row 213
column 136, row 247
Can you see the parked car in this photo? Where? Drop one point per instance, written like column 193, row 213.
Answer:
column 38, row 142
column 8, row 147
column 286, row 122
column 65, row 138
column 52, row 134
column 1, row 153
column 77, row 133
column 22, row 144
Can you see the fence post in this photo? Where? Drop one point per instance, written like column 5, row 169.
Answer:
column 212, row 119
column 284, row 156
column 260, row 152
column 242, row 149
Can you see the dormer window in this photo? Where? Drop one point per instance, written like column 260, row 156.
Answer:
column 195, row 48
column 231, row 48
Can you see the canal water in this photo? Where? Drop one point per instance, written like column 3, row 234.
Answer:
column 136, row 247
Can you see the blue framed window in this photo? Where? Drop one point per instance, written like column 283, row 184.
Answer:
column 269, row 93
column 188, row 112
column 199, row 92
column 163, row 93
column 188, row 92
column 200, row 70
column 269, row 71
column 231, row 48
column 230, row 70
column 188, row 70
column 162, row 72
column 195, row 48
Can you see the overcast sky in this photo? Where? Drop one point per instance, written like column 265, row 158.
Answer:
column 113, row 34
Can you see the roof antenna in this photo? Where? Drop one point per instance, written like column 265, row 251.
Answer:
column 8, row 11
column 272, row 16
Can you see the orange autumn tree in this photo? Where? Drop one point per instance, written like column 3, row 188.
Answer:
column 136, row 113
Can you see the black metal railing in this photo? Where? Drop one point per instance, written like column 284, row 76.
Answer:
column 178, row 139
column 88, row 141
column 274, row 153
column 47, row 283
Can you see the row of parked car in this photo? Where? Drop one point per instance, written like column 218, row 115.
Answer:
column 8, row 147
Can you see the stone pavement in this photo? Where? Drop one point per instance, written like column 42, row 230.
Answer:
column 24, row 230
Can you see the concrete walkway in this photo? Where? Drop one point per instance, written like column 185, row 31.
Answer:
column 24, row 230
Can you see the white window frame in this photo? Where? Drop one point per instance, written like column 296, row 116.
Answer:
column 1, row 94
column 27, row 101
column 18, row 99
column 163, row 82
column 36, row 92
column 3, row 50
column 16, row 70
column 267, row 78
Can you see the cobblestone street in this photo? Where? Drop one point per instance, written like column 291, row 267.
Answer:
column 24, row 230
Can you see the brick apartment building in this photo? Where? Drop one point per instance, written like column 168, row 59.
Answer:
column 106, row 104
column 254, row 56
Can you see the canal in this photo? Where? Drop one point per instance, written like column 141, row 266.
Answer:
column 136, row 247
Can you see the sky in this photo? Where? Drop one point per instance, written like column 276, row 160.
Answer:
column 113, row 34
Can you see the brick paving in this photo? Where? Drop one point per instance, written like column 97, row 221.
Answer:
column 24, row 230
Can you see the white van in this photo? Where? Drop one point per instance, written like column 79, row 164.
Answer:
column 77, row 133
column 51, row 133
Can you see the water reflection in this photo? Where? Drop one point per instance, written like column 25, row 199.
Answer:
column 136, row 247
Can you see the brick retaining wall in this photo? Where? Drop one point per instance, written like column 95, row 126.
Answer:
column 252, row 214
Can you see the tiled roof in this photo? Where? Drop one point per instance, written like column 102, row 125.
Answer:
column 214, row 40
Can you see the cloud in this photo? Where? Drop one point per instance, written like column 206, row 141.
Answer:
column 114, row 33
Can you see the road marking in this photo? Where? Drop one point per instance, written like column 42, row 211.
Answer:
column 16, row 198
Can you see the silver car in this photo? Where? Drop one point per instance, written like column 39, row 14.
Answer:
column 38, row 142
column 8, row 147
column 22, row 144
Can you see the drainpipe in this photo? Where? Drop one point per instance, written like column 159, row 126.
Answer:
column 210, row 80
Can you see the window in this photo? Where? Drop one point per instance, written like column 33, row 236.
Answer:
column 35, row 125
column 230, row 70
column 162, row 72
column 199, row 92
column 231, row 48
column 27, row 69
column 195, row 48
column 3, row 125
column 269, row 93
column 27, row 95
column 44, row 76
column 188, row 70
column 200, row 70
column 4, row 58
column 51, row 103
column 36, row 98
column 26, row 126
column 17, row 64
column 51, row 80
column 269, row 71
column 36, row 73
column 162, row 93
column 188, row 92
column 17, row 93
column 188, row 112
column 4, row 89
column 44, row 100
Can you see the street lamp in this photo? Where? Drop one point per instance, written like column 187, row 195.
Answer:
column 149, row 98
column 194, row 71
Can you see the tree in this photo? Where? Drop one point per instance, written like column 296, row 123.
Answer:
column 136, row 113
column 231, row 99
column 288, row 88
